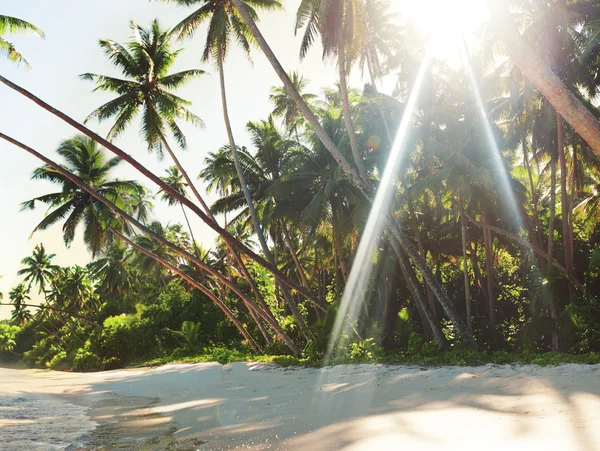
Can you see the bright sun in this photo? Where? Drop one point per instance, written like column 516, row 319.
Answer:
column 446, row 22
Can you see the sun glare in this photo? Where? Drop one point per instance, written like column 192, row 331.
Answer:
column 446, row 23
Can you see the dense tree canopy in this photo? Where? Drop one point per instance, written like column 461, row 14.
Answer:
column 491, row 238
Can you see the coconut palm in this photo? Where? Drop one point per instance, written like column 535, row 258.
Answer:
column 19, row 296
column 540, row 74
column 146, row 62
column 225, row 24
column 391, row 223
column 39, row 269
column 335, row 23
column 112, row 270
column 176, row 181
column 284, row 105
column 72, row 204
column 11, row 26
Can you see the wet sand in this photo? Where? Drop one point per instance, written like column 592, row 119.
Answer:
column 352, row 407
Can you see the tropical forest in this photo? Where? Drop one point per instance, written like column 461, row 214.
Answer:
column 417, row 210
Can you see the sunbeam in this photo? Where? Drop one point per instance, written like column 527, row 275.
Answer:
column 363, row 262
column 502, row 172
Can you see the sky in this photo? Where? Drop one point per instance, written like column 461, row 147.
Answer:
column 73, row 28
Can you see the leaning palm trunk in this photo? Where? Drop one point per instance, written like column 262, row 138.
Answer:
column 66, row 312
column 545, row 81
column 166, row 188
column 541, row 253
column 195, row 284
column 363, row 185
column 421, row 248
column 358, row 159
column 253, row 215
column 418, row 296
column 182, row 253
column 288, row 241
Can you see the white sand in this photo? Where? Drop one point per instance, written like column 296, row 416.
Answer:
column 350, row 407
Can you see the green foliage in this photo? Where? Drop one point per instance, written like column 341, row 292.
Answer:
column 8, row 336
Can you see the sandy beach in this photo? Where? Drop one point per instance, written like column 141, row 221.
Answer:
column 257, row 406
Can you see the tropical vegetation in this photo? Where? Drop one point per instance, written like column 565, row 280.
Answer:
column 489, row 242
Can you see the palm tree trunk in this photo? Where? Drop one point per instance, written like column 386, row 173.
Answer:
column 419, row 298
column 288, row 241
column 420, row 247
column 364, row 185
column 184, row 173
column 166, row 188
column 128, row 218
column 552, row 219
column 338, row 244
column 463, row 233
column 545, row 81
column 249, row 201
column 489, row 269
column 564, row 200
column 358, row 159
column 534, row 195
column 197, row 285
column 552, row 205
column 541, row 253
column 187, row 221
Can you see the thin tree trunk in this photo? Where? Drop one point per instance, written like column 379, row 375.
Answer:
column 541, row 253
column 564, row 200
column 363, row 185
column 419, row 298
column 337, row 244
column 165, row 187
column 552, row 205
column 187, row 221
column 356, row 155
column 257, row 228
column 463, row 233
column 542, row 77
column 288, row 241
column 534, row 195
column 128, row 218
column 417, row 233
column 197, row 285
column 183, row 172
column 489, row 269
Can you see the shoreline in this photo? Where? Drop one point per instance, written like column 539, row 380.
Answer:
column 357, row 406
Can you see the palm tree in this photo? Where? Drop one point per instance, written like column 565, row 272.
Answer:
column 88, row 162
column 12, row 25
column 336, row 24
column 175, row 180
column 112, row 270
column 225, row 24
column 286, row 108
column 545, row 80
column 19, row 296
column 39, row 269
column 146, row 62
column 390, row 223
